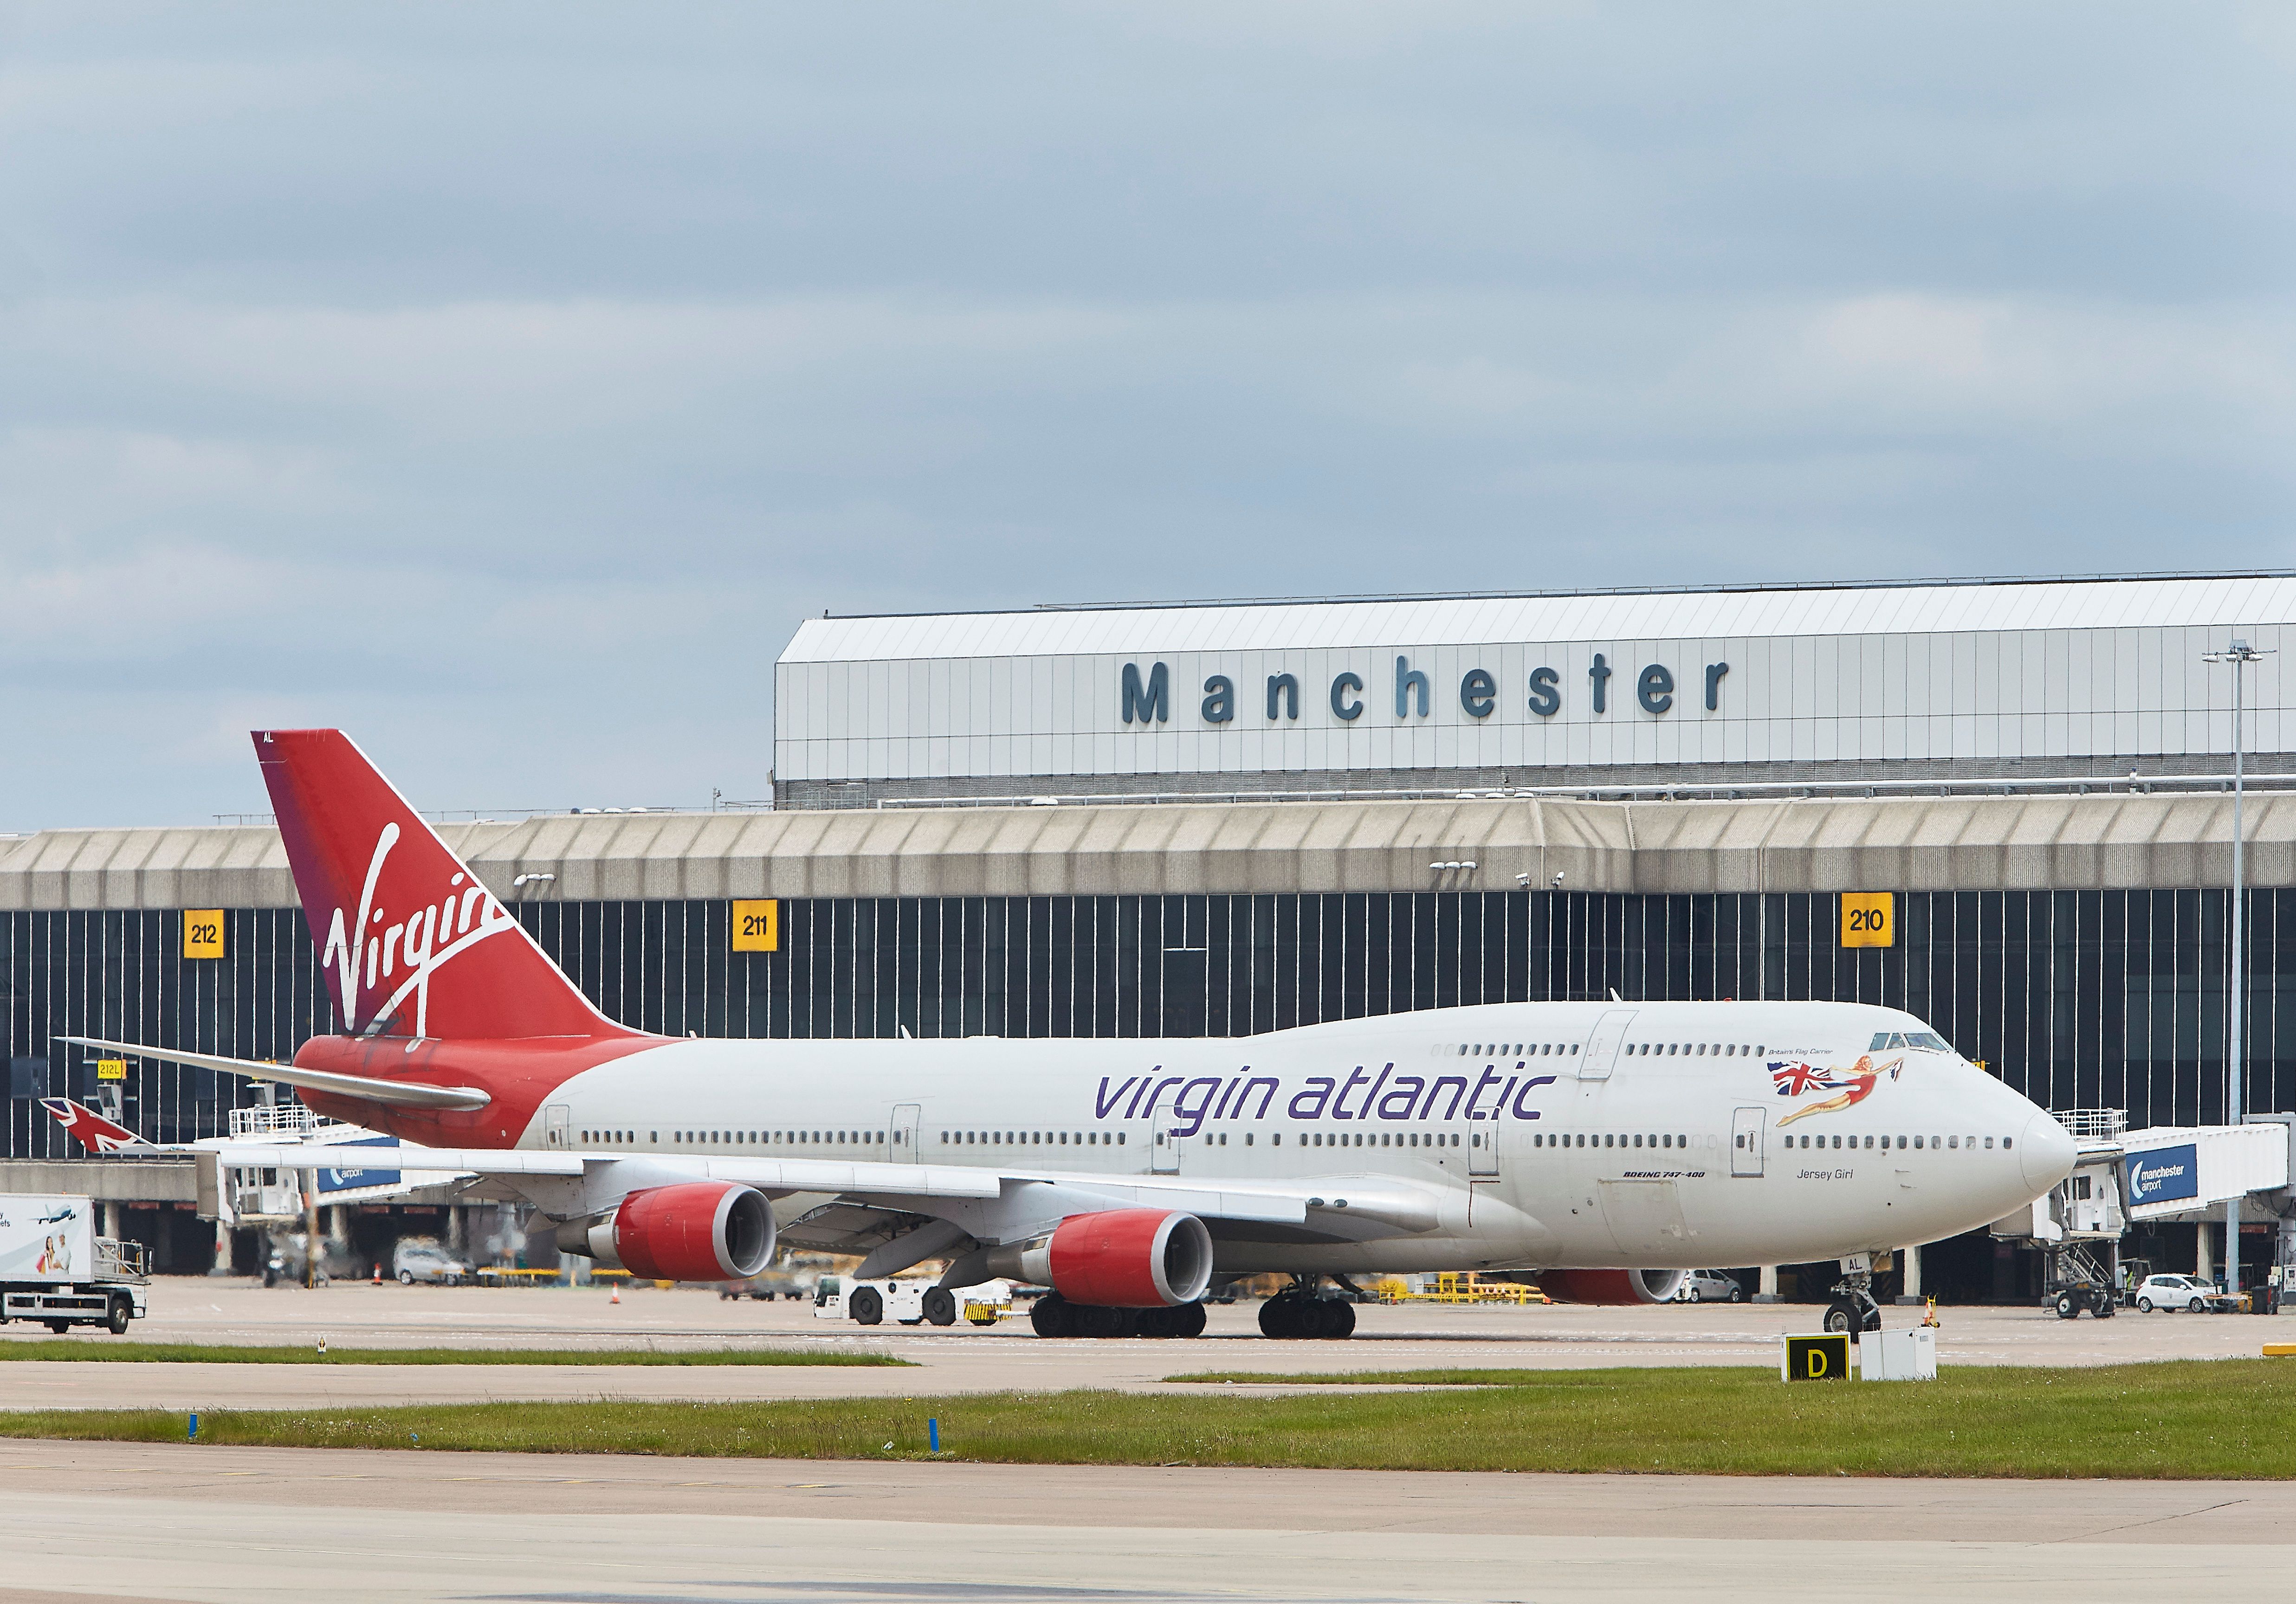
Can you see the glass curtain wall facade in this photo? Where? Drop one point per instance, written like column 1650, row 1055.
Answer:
column 2076, row 998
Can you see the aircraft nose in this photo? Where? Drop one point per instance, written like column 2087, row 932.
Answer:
column 2044, row 1152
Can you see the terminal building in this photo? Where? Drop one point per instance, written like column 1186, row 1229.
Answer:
column 2006, row 806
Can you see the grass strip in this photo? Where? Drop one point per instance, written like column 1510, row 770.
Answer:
column 1462, row 1376
column 2192, row 1419
column 92, row 1350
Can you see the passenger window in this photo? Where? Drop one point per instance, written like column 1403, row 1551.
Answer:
column 1988, row 1144
column 2006, row 1143
column 1953, row 1141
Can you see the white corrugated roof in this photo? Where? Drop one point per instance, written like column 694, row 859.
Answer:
column 1651, row 616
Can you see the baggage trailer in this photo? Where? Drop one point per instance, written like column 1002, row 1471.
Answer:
column 55, row 1270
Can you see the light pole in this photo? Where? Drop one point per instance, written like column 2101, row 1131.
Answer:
column 2239, row 654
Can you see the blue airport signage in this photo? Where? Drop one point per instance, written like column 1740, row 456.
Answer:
column 357, row 1180
column 2163, row 1175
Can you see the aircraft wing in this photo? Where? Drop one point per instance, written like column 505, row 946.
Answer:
column 1360, row 1206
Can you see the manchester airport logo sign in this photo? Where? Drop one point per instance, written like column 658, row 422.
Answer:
column 1144, row 696
column 2164, row 1174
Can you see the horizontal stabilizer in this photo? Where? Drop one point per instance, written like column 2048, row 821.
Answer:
column 397, row 1094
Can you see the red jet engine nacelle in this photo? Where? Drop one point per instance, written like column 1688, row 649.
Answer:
column 693, row 1231
column 1125, row 1258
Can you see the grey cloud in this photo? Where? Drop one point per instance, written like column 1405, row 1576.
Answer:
column 504, row 384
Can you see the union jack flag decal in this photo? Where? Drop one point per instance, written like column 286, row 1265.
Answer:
column 1799, row 1079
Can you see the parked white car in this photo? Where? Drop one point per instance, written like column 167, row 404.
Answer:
column 421, row 1259
column 2175, row 1292
column 1709, row 1285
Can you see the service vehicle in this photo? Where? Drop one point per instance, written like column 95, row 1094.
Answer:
column 988, row 1303
column 2185, row 1292
column 423, row 1259
column 56, row 1271
column 1709, row 1285
column 1585, row 1141
column 912, row 1301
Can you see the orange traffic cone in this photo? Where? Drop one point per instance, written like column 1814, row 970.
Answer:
column 617, row 1297
column 378, row 1272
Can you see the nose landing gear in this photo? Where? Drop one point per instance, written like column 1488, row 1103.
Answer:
column 1854, row 1308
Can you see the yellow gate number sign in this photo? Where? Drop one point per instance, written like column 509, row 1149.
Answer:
column 758, row 926
column 1869, row 919
column 111, row 1069
column 204, row 932
column 1821, row 1357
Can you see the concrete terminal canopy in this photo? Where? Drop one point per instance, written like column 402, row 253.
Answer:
column 2125, row 839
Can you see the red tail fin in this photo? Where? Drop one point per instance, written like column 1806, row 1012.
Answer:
column 89, row 1128
column 410, row 944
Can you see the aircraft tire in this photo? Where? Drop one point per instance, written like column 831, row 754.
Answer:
column 1099, row 1321
column 1188, row 1319
column 1338, row 1320
column 1279, row 1317
column 1153, row 1322
column 1842, row 1314
column 1052, row 1316
column 941, row 1307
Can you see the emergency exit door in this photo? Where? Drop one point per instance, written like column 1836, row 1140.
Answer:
column 553, row 1126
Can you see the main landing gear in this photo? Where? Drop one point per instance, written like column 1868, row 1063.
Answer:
column 1297, row 1311
column 1056, row 1316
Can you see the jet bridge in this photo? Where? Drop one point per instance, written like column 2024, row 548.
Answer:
column 2161, row 1174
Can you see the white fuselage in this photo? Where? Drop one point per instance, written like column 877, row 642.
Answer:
column 1547, row 1134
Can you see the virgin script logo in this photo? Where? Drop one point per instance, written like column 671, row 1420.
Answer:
column 421, row 945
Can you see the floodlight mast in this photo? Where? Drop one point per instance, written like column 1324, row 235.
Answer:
column 2239, row 654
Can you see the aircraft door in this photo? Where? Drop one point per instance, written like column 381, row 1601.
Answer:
column 1483, row 1150
column 553, row 1126
column 1746, row 1141
column 1163, row 1142
column 901, row 1146
column 1603, row 1046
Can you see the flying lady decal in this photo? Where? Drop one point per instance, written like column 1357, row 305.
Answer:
column 1795, row 1078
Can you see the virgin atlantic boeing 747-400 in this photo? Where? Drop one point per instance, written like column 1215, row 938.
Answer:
column 1604, row 1146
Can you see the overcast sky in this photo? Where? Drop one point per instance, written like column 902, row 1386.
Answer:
column 502, row 383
